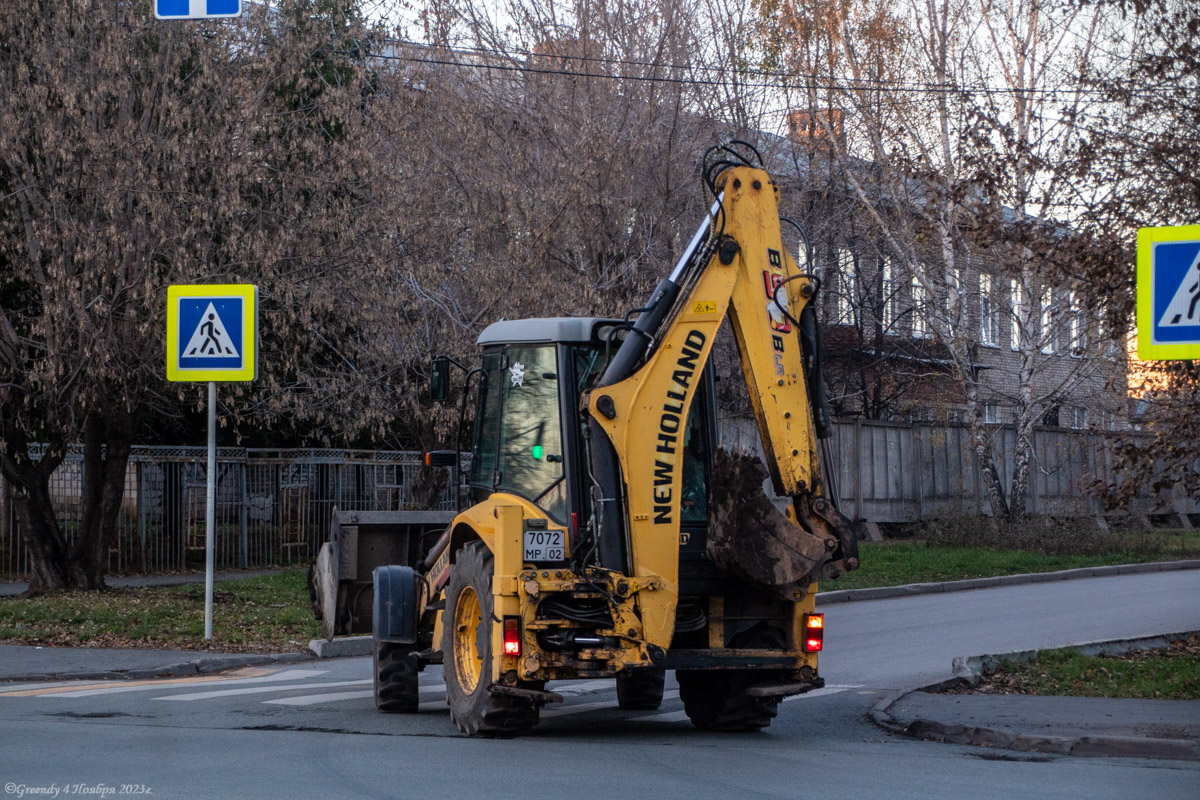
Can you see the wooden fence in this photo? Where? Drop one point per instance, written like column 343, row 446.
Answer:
column 902, row 472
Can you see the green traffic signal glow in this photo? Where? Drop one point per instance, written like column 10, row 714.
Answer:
column 537, row 452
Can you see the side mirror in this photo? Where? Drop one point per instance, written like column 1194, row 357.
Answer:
column 439, row 379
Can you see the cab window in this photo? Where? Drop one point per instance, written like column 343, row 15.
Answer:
column 530, row 461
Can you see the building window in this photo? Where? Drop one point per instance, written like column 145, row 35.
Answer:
column 891, row 291
column 1016, row 305
column 1078, row 326
column 991, row 414
column 920, row 310
column 846, row 304
column 1050, row 418
column 955, row 307
column 1049, row 334
column 1078, row 417
column 989, row 319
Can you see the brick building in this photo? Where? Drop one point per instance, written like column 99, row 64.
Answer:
column 884, row 360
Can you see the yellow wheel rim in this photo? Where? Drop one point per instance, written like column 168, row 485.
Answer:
column 468, row 615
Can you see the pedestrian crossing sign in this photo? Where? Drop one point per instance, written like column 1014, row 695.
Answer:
column 1168, row 293
column 196, row 9
column 212, row 332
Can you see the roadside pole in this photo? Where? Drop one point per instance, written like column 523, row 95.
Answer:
column 210, row 511
column 212, row 335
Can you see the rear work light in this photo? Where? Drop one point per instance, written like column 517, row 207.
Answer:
column 512, row 636
column 814, row 632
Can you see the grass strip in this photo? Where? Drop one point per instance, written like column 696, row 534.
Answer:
column 1172, row 673
column 269, row 613
column 897, row 563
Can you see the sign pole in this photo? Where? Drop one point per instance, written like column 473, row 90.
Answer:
column 210, row 512
column 212, row 335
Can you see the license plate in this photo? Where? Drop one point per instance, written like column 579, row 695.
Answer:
column 546, row 545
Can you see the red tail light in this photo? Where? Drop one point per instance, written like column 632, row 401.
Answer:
column 814, row 632
column 512, row 636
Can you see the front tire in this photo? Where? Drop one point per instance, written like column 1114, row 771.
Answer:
column 641, row 689
column 396, row 678
column 716, row 700
column 467, row 651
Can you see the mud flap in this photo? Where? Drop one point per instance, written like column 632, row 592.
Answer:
column 394, row 616
column 749, row 538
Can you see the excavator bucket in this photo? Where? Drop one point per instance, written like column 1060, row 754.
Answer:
column 749, row 538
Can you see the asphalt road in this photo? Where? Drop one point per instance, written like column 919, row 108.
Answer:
column 310, row 729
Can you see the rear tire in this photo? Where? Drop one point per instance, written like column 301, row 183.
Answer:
column 396, row 678
column 716, row 700
column 641, row 689
column 467, row 652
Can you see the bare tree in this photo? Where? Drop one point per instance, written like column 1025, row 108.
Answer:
column 957, row 117
column 1143, row 152
column 136, row 154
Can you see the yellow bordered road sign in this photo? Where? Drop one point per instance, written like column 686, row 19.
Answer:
column 212, row 332
column 1168, row 293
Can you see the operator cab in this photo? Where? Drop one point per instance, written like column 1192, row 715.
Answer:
column 529, row 437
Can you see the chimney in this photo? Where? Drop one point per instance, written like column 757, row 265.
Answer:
column 813, row 127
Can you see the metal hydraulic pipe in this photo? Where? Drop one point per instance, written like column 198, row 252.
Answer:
column 697, row 238
column 612, row 544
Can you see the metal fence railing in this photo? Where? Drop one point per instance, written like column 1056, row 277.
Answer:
column 272, row 506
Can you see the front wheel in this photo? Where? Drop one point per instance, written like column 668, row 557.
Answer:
column 641, row 689
column 718, row 700
column 467, row 651
column 396, row 678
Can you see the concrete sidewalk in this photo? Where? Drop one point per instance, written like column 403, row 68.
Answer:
column 1075, row 726
column 26, row 663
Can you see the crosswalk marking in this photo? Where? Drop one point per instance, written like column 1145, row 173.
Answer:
column 314, row 699
column 832, row 689
column 328, row 697
column 59, row 687
column 680, row 716
column 286, row 675
column 259, row 690
column 258, row 681
column 582, row 707
column 674, row 716
column 576, row 689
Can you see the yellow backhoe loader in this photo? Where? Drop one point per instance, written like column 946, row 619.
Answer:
column 605, row 534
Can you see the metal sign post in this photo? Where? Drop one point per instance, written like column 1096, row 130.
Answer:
column 210, row 509
column 212, row 335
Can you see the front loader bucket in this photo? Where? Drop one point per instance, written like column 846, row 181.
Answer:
column 340, row 584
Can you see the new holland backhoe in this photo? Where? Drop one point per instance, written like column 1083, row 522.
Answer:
column 605, row 535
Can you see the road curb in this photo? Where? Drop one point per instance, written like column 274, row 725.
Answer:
column 969, row 669
column 339, row 648
column 915, row 589
column 204, row 666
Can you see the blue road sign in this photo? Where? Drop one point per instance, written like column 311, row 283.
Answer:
column 196, row 9
column 212, row 333
column 1168, row 304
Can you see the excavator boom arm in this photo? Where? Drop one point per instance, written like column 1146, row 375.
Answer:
column 642, row 416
